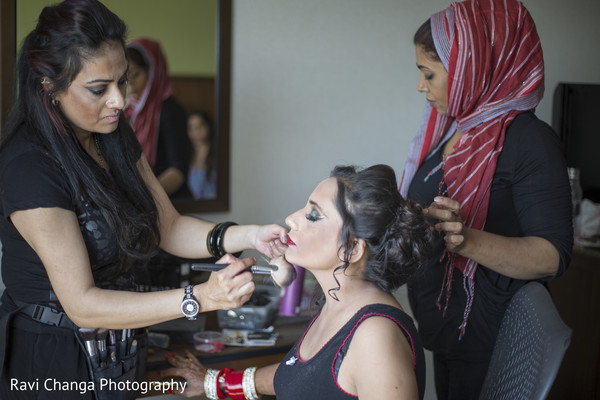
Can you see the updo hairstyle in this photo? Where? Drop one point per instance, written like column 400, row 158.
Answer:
column 397, row 235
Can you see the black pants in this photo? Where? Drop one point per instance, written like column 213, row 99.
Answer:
column 43, row 362
column 458, row 379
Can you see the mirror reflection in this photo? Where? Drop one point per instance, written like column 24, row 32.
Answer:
column 187, row 76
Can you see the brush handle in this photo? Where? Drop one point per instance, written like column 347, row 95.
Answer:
column 255, row 269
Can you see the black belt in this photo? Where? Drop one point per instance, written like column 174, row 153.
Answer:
column 48, row 316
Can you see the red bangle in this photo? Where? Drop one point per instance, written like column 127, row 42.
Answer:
column 220, row 390
column 233, row 385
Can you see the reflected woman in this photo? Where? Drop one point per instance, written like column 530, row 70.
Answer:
column 157, row 118
column 202, row 174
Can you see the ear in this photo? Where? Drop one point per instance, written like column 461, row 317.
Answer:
column 47, row 84
column 359, row 251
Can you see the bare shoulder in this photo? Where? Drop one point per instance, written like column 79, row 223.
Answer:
column 379, row 351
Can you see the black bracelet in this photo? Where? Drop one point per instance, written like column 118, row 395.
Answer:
column 215, row 239
column 209, row 244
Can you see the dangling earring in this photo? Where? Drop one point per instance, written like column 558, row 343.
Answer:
column 52, row 99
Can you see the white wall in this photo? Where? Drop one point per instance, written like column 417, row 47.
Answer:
column 321, row 82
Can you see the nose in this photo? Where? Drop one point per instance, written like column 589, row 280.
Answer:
column 116, row 99
column 290, row 220
column 421, row 86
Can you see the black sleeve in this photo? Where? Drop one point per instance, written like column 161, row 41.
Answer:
column 174, row 147
column 541, row 190
column 33, row 180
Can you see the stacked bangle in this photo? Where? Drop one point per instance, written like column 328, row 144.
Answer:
column 214, row 240
column 210, row 383
column 237, row 385
column 249, row 385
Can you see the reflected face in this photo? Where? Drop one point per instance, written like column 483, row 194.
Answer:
column 198, row 129
column 138, row 77
column 315, row 230
column 433, row 80
column 94, row 99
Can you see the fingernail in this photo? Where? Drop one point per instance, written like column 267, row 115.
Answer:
column 437, row 199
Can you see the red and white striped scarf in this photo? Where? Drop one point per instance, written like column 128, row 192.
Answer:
column 143, row 113
column 494, row 60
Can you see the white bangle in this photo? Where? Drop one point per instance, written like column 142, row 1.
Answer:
column 210, row 384
column 248, row 384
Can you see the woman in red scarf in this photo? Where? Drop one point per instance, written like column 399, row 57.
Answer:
column 158, row 120
column 494, row 176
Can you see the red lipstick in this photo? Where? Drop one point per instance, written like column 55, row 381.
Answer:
column 290, row 242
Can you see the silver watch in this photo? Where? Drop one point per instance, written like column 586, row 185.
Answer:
column 189, row 305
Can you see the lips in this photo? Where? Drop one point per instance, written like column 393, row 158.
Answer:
column 112, row 118
column 290, row 242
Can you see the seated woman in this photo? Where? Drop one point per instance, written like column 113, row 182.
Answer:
column 361, row 240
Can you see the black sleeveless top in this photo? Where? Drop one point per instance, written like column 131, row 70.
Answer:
column 316, row 378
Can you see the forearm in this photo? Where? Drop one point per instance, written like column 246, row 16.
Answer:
column 516, row 257
column 112, row 309
column 171, row 180
column 187, row 238
column 263, row 379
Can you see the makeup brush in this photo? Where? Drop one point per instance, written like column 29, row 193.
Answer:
column 89, row 338
column 280, row 271
column 101, row 340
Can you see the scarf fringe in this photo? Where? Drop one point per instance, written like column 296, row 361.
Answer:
column 468, row 285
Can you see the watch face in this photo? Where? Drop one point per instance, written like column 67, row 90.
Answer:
column 190, row 307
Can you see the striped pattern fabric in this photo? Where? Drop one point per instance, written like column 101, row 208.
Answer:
column 495, row 66
column 143, row 113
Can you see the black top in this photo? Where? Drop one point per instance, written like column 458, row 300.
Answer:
column 530, row 196
column 316, row 378
column 31, row 178
column 174, row 146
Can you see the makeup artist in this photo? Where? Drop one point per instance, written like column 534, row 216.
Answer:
column 79, row 205
column 494, row 177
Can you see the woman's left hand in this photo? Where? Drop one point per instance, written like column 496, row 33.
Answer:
column 188, row 368
column 271, row 240
column 447, row 211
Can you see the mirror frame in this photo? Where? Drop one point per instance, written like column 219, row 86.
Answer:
column 8, row 53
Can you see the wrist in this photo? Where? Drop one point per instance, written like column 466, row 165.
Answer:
column 201, row 298
column 215, row 240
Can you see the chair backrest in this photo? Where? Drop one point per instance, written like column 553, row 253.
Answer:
column 529, row 350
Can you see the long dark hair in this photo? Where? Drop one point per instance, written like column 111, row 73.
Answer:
column 66, row 35
column 397, row 235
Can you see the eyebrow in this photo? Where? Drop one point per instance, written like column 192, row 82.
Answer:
column 314, row 204
column 107, row 80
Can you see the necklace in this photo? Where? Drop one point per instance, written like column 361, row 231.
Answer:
column 99, row 152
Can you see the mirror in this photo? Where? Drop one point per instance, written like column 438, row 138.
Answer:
column 186, row 90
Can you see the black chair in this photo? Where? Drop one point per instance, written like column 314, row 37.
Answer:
column 530, row 347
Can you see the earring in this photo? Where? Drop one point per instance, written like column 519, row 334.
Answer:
column 54, row 102
column 43, row 82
